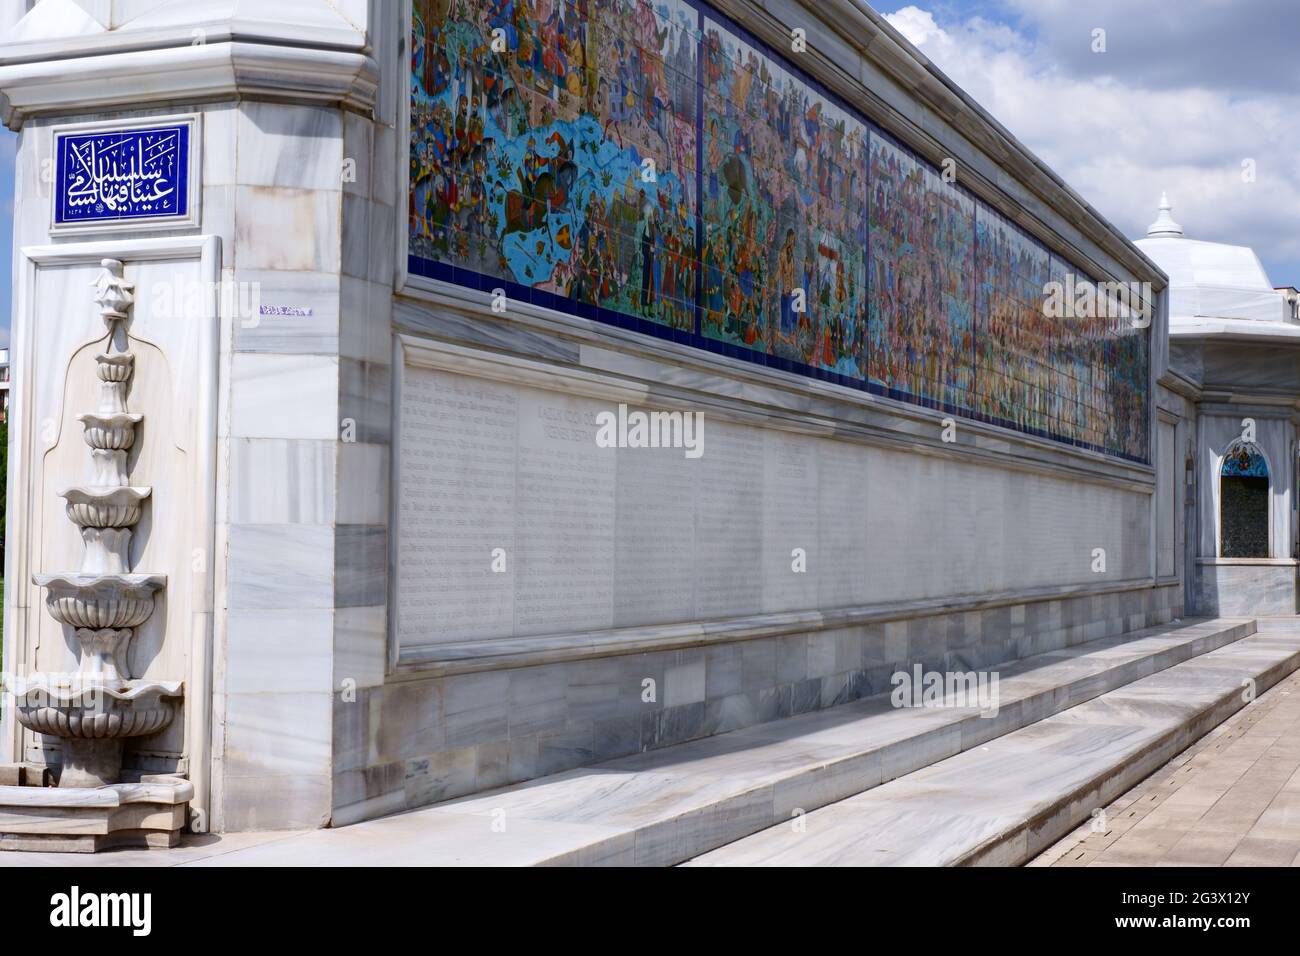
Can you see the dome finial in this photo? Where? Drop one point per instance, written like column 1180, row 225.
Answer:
column 1164, row 226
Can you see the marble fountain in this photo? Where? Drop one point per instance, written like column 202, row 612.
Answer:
column 94, row 711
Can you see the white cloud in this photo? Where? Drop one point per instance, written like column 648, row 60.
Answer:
column 1121, row 132
column 915, row 24
column 1218, row 44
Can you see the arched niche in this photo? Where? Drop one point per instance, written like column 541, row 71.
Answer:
column 1244, row 502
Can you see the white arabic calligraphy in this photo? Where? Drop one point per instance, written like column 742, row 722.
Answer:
column 113, row 175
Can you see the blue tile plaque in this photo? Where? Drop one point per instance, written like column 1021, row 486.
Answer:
column 120, row 175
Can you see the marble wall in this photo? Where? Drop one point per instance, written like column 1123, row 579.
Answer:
column 310, row 427
column 296, row 487
column 329, row 701
column 177, row 344
column 1233, row 388
column 411, row 741
column 1167, row 498
column 628, row 565
column 1245, row 587
column 513, row 522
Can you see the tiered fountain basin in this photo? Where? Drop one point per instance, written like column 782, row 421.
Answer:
column 114, row 366
column 92, row 600
column 89, row 710
column 111, row 432
column 105, row 507
column 92, row 712
column 98, row 702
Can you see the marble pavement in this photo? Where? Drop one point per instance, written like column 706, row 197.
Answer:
column 1232, row 799
column 1001, row 803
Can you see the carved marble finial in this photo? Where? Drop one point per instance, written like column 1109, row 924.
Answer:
column 113, row 294
column 1164, row 226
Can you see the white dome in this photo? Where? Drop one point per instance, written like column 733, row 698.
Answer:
column 1212, row 283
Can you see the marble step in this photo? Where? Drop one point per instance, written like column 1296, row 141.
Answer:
column 666, row 806
column 1005, row 801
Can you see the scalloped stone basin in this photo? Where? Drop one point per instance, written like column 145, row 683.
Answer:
column 115, row 366
column 134, row 708
column 100, row 600
column 92, row 719
column 114, row 431
column 90, row 507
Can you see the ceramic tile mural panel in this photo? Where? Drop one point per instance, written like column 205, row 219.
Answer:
column 1012, row 342
column 1127, row 370
column 553, row 146
column 1077, row 400
column 922, row 289
column 783, row 212
column 651, row 165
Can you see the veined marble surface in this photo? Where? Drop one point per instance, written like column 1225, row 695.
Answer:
column 665, row 806
column 1004, row 801
column 1229, row 800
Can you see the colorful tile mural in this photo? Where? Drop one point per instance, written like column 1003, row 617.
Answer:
column 1012, row 341
column 783, row 212
column 922, row 289
column 553, row 145
column 650, row 165
column 1244, row 460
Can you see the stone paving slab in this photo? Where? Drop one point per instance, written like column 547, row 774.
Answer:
column 668, row 805
column 1003, row 802
column 1232, row 799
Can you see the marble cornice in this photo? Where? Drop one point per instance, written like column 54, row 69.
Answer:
column 443, row 660
column 1249, row 562
column 213, row 70
column 1222, row 400
column 1241, row 332
column 225, row 30
column 1179, row 384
